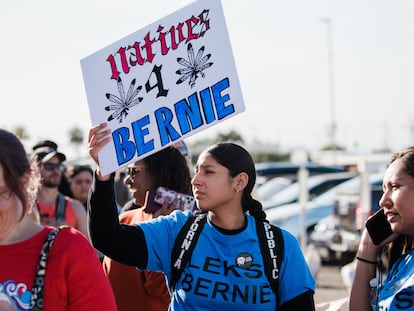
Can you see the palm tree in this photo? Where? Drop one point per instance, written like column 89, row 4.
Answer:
column 76, row 138
column 232, row 135
column 21, row 132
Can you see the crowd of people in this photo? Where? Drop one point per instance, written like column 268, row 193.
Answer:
column 74, row 239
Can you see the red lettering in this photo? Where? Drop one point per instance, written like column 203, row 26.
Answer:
column 141, row 52
column 148, row 47
column 114, row 70
column 138, row 58
column 191, row 23
column 124, row 62
column 204, row 22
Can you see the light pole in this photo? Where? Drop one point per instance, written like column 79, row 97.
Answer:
column 331, row 85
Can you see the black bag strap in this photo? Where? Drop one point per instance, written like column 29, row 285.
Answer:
column 36, row 301
column 184, row 245
column 270, row 240
column 272, row 248
column 60, row 207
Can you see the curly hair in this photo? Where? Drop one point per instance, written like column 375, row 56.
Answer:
column 168, row 168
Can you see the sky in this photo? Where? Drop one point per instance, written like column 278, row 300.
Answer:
column 292, row 92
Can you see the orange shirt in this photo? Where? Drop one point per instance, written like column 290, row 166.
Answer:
column 134, row 289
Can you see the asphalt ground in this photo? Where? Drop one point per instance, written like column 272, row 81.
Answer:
column 331, row 293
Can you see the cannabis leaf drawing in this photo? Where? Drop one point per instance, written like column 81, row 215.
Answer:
column 194, row 66
column 123, row 103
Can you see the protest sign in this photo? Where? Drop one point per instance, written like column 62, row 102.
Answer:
column 163, row 83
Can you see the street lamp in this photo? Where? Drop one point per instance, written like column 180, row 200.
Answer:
column 331, row 82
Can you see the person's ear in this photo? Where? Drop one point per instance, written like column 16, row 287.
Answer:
column 241, row 181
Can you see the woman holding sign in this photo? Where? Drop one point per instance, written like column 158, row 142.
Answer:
column 226, row 258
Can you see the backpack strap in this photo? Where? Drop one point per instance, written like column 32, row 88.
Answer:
column 270, row 240
column 272, row 248
column 184, row 245
column 60, row 207
column 36, row 301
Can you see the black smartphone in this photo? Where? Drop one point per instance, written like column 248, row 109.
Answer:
column 378, row 227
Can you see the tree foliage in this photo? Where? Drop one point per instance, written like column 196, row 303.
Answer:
column 232, row 135
column 76, row 135
column 21, row 132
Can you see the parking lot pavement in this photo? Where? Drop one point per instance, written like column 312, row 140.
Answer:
column 331, row 293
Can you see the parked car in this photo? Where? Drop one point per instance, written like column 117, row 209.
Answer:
column 316, row 185
column 325, row 238
column 267, row 170
column 337, row 236
column 265, row 191
column 289, row 216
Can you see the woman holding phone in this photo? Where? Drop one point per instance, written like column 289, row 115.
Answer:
column 147, row 290
column 396, row 291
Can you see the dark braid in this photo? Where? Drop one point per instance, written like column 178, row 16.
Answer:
column 253, row 206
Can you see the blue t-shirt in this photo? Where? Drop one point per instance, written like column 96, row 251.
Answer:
column 397, row 292
column 226, row 272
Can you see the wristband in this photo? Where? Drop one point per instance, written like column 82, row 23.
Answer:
column 366, row 260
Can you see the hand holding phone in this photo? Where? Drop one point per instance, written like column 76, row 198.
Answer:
column 378, row 227
column 164, row 194
column 157, row 197
column 151, row 206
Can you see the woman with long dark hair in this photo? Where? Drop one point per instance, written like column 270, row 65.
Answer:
column 42, row 268
column 226, row 270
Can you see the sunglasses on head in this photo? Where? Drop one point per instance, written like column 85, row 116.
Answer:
column 133, row 170
column 51, row 166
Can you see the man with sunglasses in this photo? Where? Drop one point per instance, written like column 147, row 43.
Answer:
column 54, row 208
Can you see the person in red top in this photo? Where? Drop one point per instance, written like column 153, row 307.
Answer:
column 147, row 290
column 73, row 277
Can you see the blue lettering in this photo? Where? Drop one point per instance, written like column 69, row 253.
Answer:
column 219, row 100
column 164, row 117
column 124, row 148
column 210, row 103
column 191, row 111
column 140, row 131
column 207, row 105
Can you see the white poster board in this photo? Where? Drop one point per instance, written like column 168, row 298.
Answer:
column 163, row 83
